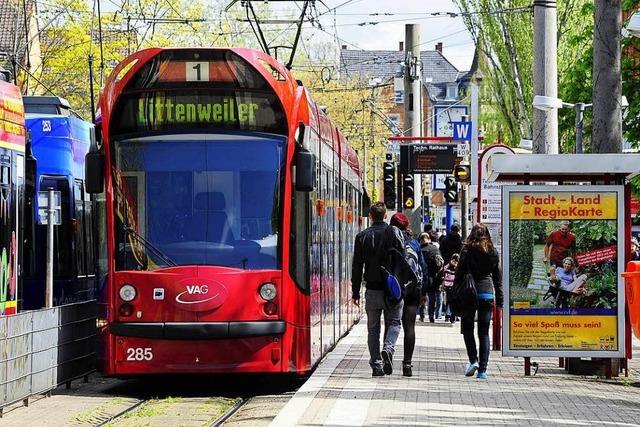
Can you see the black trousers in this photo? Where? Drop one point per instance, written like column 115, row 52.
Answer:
column 409, row 328
column 485, row 310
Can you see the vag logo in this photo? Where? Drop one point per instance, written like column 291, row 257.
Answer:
column 194, row 294
column 195, row 289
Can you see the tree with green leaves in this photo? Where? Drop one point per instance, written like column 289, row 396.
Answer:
column 503, row 33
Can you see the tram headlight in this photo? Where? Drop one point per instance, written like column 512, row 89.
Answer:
column 268, row 291
column 128, row 293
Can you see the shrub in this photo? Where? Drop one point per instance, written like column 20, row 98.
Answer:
column 521, row 241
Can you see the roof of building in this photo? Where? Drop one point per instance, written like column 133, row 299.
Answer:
column 437, row 71
column 12, row 28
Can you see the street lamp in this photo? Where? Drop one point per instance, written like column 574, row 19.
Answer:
column 547, row 103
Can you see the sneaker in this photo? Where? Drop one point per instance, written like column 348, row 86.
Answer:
column 388, row 365
column 406, row 369
column 377, row 372
column 481, row 375
column 422, row 317
column 471, row 369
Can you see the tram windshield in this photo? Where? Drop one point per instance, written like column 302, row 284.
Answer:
column 198, row 199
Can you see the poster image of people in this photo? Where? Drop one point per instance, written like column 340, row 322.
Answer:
column 562, row 269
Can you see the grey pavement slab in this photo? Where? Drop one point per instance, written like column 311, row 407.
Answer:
column 342, row 392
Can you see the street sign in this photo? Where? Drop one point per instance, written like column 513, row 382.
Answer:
column 462, row 149
column 438, row 181
column 427, row 158
column 43, row 207
column 461, row 131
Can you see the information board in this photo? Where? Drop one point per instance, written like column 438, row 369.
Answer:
column 427, row 158
column 562, row 255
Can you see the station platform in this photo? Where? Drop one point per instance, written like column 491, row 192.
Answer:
column 341, row 391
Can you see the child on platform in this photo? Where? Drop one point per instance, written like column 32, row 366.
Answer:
column 449, row 274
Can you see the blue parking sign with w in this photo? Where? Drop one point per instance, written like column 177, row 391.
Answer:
column 461, row 131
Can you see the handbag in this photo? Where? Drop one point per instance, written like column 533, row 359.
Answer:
column 463, row 295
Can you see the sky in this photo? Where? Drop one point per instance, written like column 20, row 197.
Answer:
column 458, row 46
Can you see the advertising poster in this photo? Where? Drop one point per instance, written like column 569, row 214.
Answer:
column 562, row 255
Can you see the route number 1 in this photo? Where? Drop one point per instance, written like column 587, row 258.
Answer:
column 197, row 71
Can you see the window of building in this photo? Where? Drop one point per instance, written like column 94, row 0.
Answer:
column 452, row 91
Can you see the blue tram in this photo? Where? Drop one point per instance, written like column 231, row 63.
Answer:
column 59, row 142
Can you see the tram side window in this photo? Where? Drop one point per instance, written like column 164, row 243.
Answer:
column 299, row 248
column 89, row 233
column 62, row 263
column 79, row 234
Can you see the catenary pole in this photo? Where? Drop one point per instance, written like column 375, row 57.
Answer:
column 545, row 75
column 412, row 108
column 606, row 134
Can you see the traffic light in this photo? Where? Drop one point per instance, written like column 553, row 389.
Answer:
column 389, row 178
column 408, row 198
column 462, row 173
column 450, row 189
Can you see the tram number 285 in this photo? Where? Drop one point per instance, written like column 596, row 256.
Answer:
column 138, row 354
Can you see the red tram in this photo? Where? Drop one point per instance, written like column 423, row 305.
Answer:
column 227, row 208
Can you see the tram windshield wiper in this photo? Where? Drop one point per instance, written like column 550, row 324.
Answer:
column 150, row 246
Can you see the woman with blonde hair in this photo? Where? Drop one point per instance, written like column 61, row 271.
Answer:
column 480, row 258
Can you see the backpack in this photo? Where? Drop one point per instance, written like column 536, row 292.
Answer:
column 434, row 261
column 404, row 275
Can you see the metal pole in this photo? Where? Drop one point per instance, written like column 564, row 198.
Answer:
column 579, row 107
column 375, row 176
column 464, row 208
column 364, row 149
column 545, row 75
column 49, row 272
column 413, row 107
column 372, row 127
column 475, row 144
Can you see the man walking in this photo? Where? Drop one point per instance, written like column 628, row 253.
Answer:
column 451, row 243
column 370, row 250
column 435, row 262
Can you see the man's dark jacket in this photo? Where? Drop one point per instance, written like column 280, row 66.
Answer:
column 370, row 248
column 451, row 244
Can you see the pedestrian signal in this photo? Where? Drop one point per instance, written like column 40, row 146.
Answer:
column 450, row 189
column 389, row 178
column 408, row 195
column 462, row 173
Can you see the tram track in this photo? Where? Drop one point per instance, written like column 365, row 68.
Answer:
column 240, row 402
column 122, row 413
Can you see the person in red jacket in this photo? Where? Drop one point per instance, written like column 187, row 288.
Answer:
column 560, row 244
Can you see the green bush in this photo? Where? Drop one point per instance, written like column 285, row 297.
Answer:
column 521, row 241
column 540, row 231
column 593, row 234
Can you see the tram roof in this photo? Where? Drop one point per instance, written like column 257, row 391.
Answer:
column 558, row 167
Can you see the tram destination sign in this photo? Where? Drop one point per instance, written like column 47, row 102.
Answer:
column 427, row 158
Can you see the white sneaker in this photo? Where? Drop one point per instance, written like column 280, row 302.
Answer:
column 471, row 369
